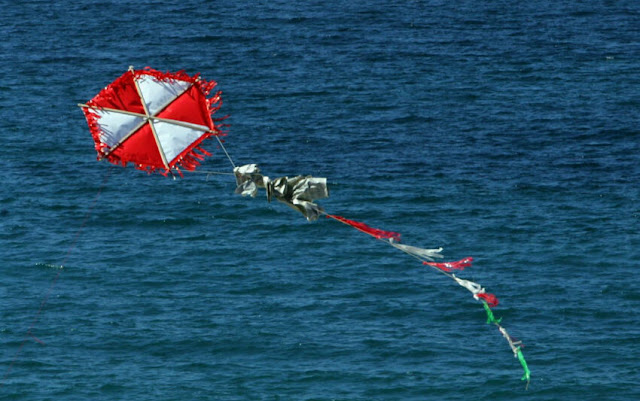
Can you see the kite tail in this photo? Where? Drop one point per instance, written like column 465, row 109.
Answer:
column 426, row 255
column 515, row 345
column 249, row 179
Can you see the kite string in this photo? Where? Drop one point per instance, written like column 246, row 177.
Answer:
column 225, row 151
column 45, row 299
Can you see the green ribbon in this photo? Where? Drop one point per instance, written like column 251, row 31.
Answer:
column 527, row 372
column 490, row 318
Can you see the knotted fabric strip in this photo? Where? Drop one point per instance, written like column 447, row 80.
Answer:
column 298, row 192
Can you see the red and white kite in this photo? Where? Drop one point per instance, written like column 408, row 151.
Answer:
column 158, row 121
column 155, row 120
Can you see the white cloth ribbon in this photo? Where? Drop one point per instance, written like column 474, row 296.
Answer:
column 475, row 288
column 428, row 255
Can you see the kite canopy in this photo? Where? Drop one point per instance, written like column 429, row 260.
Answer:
column 153, row 119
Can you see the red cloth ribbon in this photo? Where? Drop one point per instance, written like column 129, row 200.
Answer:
column 491, row 299
column 447, row 266
column 366, row 229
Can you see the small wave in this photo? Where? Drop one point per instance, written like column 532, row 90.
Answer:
column 49, row 266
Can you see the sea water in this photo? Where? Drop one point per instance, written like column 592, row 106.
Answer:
column 505, row 131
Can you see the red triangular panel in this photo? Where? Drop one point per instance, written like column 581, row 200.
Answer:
column 121, row 94
column 141, row 147
column 190, row 107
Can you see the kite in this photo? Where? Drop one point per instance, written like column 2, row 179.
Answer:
column 159, row 121
column 155, row 120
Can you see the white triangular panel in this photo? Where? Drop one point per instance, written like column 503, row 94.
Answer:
column 115, row 126
column 158, row 94
column 174, row 139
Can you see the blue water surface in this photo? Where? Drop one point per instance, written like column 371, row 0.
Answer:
column 506, row 131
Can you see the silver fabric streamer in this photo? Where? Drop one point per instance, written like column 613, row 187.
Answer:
column 298, row 192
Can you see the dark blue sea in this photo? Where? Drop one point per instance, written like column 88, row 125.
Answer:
column 506, row 131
